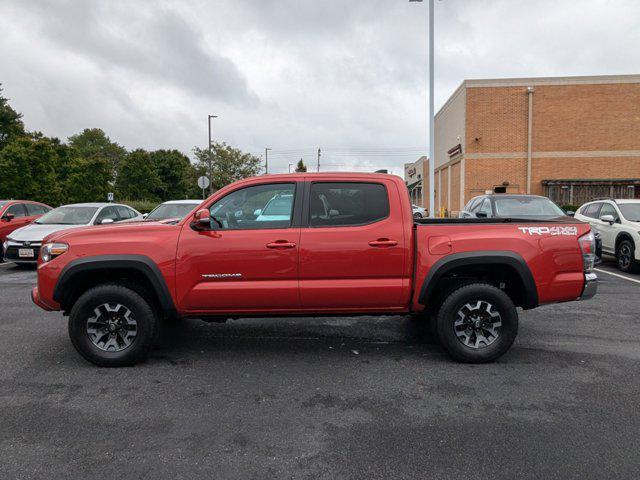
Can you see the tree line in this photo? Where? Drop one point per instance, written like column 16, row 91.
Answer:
column 89, row 165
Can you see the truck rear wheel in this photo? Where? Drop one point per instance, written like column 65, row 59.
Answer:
column 477, row 323
column 112, row 326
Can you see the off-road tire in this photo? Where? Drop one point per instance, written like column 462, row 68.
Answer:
column 450, row 310
column 145, row 317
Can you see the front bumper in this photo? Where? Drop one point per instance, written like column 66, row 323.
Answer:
column 590, row 286
column 35, row 297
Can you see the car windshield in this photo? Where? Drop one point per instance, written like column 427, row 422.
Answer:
column 70, row 215
column 171, row 210
column 630, row 211
column 526, row 207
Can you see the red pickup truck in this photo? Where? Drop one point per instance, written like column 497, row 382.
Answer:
column 321, row 244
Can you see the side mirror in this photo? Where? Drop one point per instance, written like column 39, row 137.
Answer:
column 481, row 215
column 608, row 218
column 257, row 212
column 333, row 213
column 201, row 220
column 570, row 213
column 106, row 221
column 8, row 217
column 145, row 215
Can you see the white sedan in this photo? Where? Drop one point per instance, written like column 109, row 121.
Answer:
column 23, row 245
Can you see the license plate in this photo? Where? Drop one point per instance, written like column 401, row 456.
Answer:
column 26, row 253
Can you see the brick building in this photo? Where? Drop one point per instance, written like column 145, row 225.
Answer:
column 413, row 176
column 571, row 139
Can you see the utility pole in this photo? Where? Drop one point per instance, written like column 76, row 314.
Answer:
column 266, row 160
column 432, row 126
column 319, row 153
column 210, row 156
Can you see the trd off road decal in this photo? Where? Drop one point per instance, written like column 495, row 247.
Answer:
column 572, row 231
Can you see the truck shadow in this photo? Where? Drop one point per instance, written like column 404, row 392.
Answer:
column 296, row 334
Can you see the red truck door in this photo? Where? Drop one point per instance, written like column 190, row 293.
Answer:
column 249, row 260
column 352, row 246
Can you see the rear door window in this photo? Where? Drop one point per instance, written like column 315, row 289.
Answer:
column 342, row 204
column 34, row 209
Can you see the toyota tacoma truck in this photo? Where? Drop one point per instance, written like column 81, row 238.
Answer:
column 311, row 244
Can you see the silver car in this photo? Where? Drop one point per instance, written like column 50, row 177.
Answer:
column 23, row 245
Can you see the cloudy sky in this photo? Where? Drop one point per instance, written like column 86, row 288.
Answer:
column 348, row 76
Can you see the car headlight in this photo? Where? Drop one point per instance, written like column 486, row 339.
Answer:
column 49, row 251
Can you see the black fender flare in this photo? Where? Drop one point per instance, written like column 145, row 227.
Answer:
column 485, row 257
column 140, row 263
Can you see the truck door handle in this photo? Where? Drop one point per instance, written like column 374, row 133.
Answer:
column 383, row 242
column 281, row 244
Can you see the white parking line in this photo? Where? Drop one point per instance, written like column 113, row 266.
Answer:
column 617, row 275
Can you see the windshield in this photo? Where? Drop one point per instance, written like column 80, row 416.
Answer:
column 171, row 210
column 630, row 211
column 68, row 216
column 526, row 207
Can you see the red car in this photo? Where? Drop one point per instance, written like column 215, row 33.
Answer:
column 311, row 244
column 15, row 214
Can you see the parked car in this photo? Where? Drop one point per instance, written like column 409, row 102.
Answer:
column 15, row 214
column 174, row 209
column 23, row 245
column 358, row 251
column 618, row 223
column 500, row 205
column 419, row 212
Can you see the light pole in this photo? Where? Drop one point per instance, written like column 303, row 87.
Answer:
column 432, row 126
column 210, row 159
column 266, row 160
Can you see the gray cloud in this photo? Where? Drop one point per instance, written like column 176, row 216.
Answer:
column 290, row 74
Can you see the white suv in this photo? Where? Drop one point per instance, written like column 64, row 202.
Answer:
column 618, row 222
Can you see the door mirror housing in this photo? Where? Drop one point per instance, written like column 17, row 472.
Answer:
column 481, row 215
column 257, row 212
column 7, row 217
column 145, row 215
column 201, row 220
column 608, row 218
column 570, row 213
column 106, row 221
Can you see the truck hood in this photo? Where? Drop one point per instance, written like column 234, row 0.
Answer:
column 36, row 232
column 123, row 228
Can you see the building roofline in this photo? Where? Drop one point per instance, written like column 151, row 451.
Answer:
column 532, row 81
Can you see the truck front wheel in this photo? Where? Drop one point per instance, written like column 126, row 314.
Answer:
column 477, row 323
column 112, row 326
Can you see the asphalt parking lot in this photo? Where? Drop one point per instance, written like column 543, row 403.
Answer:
column 328, row 398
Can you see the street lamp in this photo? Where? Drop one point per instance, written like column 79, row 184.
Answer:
column 210, row 160
column 432, row 122
column 266, row 160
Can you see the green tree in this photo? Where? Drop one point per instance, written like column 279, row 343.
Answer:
column 138, row 178
column 176, row 174
column 28, row 166
column 93, row 144
column 301, row 167
column 11, row 125
column 228, row 164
